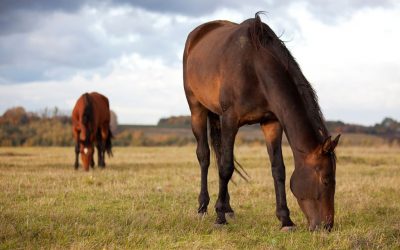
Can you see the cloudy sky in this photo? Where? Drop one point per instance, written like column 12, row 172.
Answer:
column 53, row 51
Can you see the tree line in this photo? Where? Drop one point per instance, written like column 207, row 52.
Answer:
column 51, row 127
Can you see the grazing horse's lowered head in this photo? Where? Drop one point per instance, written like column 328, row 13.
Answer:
column 313, row 185
column 86, row 148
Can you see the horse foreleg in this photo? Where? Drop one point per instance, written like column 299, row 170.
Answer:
column 76, row 136
column 215, row 135
column 273, row 137
column 92, row 160
column 76, row 165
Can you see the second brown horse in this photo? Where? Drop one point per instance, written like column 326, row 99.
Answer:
column 237, row 74
column 91, row 125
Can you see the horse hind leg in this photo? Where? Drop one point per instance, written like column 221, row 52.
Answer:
column 229, row 130
column 215, row 135
column 273, row 137
column 100, row 148
column 199, row 127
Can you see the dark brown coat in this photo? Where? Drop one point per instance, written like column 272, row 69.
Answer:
column 237, row 74
column 91, row 125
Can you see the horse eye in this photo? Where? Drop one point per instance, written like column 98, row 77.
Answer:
column 325, row 181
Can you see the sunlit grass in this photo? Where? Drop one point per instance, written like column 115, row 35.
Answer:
column 147, row 198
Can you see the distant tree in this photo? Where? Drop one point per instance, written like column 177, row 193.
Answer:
column 45, row 113
column 55, row 111
column 175, row 121
column 15, row 116
column 389, row 123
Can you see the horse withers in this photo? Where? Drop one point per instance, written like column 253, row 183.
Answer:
column 91, row 125
column 237, row 74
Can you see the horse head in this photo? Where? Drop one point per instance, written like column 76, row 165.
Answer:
column 86, row 149
column 313, row 185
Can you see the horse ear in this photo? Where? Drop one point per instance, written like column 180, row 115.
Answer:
column 303, row 183
column 335, row 142
column 326, row 147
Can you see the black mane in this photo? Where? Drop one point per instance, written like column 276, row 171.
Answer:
column 262, row 38
column 87, row 117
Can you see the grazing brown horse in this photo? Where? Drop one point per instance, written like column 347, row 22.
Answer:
column 91, row 124
column 237, row 74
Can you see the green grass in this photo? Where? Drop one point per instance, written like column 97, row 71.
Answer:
column 147, row 198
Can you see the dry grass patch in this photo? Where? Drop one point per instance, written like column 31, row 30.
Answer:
column 147, row 198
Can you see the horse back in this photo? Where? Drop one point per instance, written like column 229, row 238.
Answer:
column 203, row 30
column 100, row 110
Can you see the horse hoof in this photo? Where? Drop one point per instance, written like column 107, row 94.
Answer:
column 288, row 229
column 220, row 221
column 230, row 215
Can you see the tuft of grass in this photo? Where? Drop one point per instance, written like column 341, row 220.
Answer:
column 147, row 198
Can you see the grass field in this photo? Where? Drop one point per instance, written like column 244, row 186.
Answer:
column 147, row 198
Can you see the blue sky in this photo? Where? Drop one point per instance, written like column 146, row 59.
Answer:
column 53, row 51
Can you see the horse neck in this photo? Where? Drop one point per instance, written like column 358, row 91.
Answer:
column 299, row 131
column 288, row 106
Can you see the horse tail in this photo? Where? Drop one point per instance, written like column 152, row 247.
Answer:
column 215, row 136
column 87, row 116
column 108, row 145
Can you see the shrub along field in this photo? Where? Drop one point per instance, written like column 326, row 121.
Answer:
column 147, row 198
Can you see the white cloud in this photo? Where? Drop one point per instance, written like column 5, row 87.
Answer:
column 140, row 90
column 133, row 56
column 353, row 64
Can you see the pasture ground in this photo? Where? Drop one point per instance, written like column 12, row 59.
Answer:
column 147, row 198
